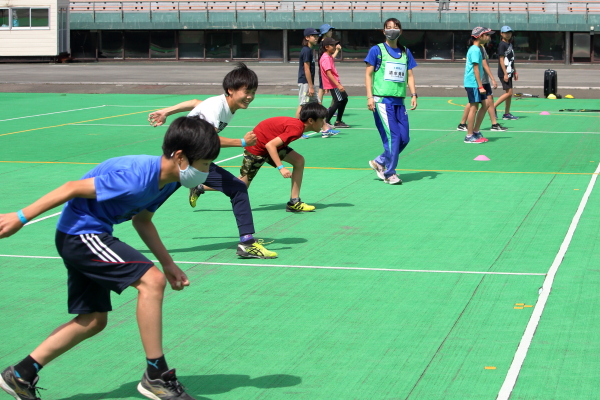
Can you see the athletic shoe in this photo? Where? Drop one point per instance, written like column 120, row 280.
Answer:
column 305, row 136
column 17, row 387
column 166, row 388
column 462, row 127
column 255, row 250
column 478, row 135
column 328, row 133
column 393, row 180
column 473, row 139
column 378, row 169
column 299, row 207
column 195, row 193
column 340, row 124
column 498, row 128
column 509, row 116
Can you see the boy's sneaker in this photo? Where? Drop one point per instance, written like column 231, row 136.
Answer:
column 462, row 127
column 340, row 124
column 378, row 169
column 299, row 207
column 255, row 250
column 17, row 387
column 195, row 193
column 478, row 135
column 473, row 139
column 509, row 116
column 166, row 388
column 393, row 180
column 304, row 136
column 498, row 128
column 328, row 133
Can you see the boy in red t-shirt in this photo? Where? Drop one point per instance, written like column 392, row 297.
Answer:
column 273, row 136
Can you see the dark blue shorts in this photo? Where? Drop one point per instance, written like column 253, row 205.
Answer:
column 98, row 264
column 488, row 89
column 474, row 95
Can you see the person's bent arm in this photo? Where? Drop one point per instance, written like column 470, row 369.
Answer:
column 413, row 89
column 272, row 149
column 478, row 78
column 334, row 81
column 159, row 117
column 369, row 86
column 501, row 61
column 11, row 223
column 144, row 226
column 249, row 138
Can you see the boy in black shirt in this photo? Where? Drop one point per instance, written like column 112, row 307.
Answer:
column 506, row 71
column 306, row 69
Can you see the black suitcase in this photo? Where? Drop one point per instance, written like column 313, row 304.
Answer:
column 550, row 82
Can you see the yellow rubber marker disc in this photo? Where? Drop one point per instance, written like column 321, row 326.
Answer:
column 489, row 367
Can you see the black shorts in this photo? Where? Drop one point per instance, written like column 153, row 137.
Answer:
column 506, row 85
column 488, row 89
column 97, row 264
column 252, row 162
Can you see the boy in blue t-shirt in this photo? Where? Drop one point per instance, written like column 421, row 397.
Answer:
column 117, row 190
column 474, row 87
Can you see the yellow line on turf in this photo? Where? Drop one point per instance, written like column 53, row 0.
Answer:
column 75, row 123
column 340, row 168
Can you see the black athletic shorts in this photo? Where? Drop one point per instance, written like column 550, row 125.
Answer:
column 506, row 85
column 98, row 264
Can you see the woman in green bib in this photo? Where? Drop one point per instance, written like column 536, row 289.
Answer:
column 389, row 71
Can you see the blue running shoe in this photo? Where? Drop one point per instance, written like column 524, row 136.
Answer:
column 305, row 136
column 509, row 116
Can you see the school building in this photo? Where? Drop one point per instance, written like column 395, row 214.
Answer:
column 434, row 30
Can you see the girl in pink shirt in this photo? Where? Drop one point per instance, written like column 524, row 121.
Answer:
column 331, row 82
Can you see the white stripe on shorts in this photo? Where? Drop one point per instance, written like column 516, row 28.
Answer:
column 107, row 250
column 93, row 249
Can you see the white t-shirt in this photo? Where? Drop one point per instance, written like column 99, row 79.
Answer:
column 214, row 110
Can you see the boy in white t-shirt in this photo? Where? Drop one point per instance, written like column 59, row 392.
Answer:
column 240, row 88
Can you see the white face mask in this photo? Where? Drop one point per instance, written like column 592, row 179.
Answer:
column 191, row 177
column 392, row 34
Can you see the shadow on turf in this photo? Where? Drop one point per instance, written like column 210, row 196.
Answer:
column 200, row 385
column 495, row 138
column 281, row 206
column 231, row 244
column 417, row 176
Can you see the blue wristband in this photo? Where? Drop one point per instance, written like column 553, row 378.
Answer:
column 281, row 166
column 22, row 217
column 243, row 142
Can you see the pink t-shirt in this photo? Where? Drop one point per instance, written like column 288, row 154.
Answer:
column 326, row 63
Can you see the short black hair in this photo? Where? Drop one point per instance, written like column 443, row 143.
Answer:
column 312, row 110
column 394, row 20
column 194, row 136
column 241, row 76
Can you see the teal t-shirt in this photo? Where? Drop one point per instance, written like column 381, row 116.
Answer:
column 473, row 56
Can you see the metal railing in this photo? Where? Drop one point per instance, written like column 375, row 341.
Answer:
column 352, row 7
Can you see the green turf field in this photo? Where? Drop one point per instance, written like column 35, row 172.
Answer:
column 418, row 291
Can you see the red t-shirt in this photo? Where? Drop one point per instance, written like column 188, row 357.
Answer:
column 286, row 128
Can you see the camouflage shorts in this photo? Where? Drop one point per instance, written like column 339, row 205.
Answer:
column 252, row 163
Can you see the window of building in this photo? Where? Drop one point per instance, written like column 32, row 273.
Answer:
column 356, row 44
column 245, row 44
column 270, row 44
column 551, row 46
column 460, row 45
column 415, row 42
column 83, row 44
column 4, row 18
column 39, row 17
column 294, row 43
column 137, row 44
column 111, row 45
column 439, row 45
column 191, row 44
column 162, row 44
column 218, row 44
column 525, row 46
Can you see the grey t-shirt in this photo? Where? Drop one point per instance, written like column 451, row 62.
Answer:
column 484, row 56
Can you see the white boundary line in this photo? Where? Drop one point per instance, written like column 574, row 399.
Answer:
column 58, row 112
column 43, row 218
column 321, row 267
column 521, row 353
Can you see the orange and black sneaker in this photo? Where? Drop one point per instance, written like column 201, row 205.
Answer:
column 165, row 388
column 17, row 387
